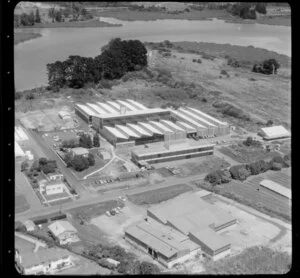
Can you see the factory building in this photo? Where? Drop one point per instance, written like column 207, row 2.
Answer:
column 128, row 123
column 176, row 230
column 164, row 153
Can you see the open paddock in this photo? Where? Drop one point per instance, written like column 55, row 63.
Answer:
column 21, row 203
column 159, row 195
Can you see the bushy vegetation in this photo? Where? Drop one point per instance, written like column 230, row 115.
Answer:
column 218, row 177
column 129, row 264
column 25, row 19
column 254, row 260
column 116, row 58
column 231, row 110
column 79, row 162
column 250, row 142
column 243, row 10
column 42, row 165
column 269, row 66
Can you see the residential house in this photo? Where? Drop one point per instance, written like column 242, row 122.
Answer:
column 64, row 232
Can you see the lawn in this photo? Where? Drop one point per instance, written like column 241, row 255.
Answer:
column 243, row 154
column 21, row 203
column 203, row 165
column 91, row 211
column 22, row 37
column 159, row 195
column 164, row 172
column 254, row 260
column 263, row 200
column 56, row 196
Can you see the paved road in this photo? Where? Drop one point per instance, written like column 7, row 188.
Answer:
column 104, row 197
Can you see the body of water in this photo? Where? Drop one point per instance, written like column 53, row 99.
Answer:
column 31, row 57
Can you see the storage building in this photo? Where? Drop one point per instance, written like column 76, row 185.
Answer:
column 277, row 188
column 64, row 231
column 274, row 132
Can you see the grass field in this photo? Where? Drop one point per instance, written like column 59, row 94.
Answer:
column 243, row 154
column 22, row 37
column 254, row 260
column 262, row 200
column 159, row 195
column 21, row 203
column 90, row 211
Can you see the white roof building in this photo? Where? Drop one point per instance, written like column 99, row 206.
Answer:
column 274, row 132
column 80, row 151
column 273, row 186
column 18, row 150
column 20, row 135
column 64, row 231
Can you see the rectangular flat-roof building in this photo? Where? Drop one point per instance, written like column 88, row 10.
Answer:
column 274, row 132
column 159, row 153
column 277, row 188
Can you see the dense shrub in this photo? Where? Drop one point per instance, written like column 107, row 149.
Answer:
column 117, row 58
column 239, row 172
column 148, row 268
column 231, row 110
column 261, row 8
column 224, row 72
column 269, row 66
column 85, row 141
column 218, row 177
column 233, row 63
column 276, row 166
column 72, row 143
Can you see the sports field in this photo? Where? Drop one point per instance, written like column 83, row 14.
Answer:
column 21, row 204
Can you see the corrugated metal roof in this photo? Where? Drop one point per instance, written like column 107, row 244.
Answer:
column 172, row 125
column 139, row 129
column 137, row 104
column 277, row 188
column 206, row 116
column 86, row 110
column 114, row 105
column 160, row 126
column 134, row 113
column 189, row 120
column 96, row 108
column 150, row 127
column 186, row 126
column 128, row 131
column 116, row 132
column 128, row 105
column 196, row 117
column 275, row 132
column 211, row 239
column 107, row 108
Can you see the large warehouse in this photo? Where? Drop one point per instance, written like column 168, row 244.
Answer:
column 176, row 229
column 127, row 122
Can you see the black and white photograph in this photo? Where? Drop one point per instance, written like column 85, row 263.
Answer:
column 152, row 138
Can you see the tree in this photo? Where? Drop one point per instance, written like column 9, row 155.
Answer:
column 96, row 140
column 43, row 161
column 79, row 163
column 271, row 66
column 51, row 13
column 276, row 166
column 261, row 8
column 248, row 141
column 58, row 16
column 37, row 16
column 72, row 143
column 91, row 159
column 270, row 123
column 148, row 268
column 48, row 168
column 243, row 173
column 24, row 166
column 35, row 166
column 85, row 141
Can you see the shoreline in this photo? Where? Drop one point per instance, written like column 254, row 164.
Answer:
column 74, row 24
column 20, row 37
column 242, row 53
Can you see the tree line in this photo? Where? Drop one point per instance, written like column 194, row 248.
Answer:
column 117, row 58
column 25, row 19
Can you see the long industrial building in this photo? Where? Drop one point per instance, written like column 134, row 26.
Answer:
column 177, row 229
column 127, row 122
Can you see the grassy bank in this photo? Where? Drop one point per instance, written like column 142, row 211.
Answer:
column 254, row 260
column 74, row 24
column 159, row 195
column 22, row 37
column 205, row 14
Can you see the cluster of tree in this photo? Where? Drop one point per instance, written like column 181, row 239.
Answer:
column 41, row 165
column 247, row 10
column 269, row 66
column 129, row 264
column 250, row 142
column 142, row 8
column 76, row 11
column 243, row 171
column 55, row 14
column 117, row 58
column 84, row 141
column 25, row 19
column 79, row 162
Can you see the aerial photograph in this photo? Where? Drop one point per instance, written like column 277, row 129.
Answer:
column 152, row 138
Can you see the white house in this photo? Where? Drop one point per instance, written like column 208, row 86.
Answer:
column 80, row 151
column 55, row 176
column 64, row 231
column 54, row 188
column 31, row 261
column 30, row 226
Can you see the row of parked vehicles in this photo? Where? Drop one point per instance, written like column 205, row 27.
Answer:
column 105, row 180
column 173, row 170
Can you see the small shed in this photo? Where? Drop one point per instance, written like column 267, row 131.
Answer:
column 80, row 151
column 274, row 132
column 104, row 155
column 30, row 226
